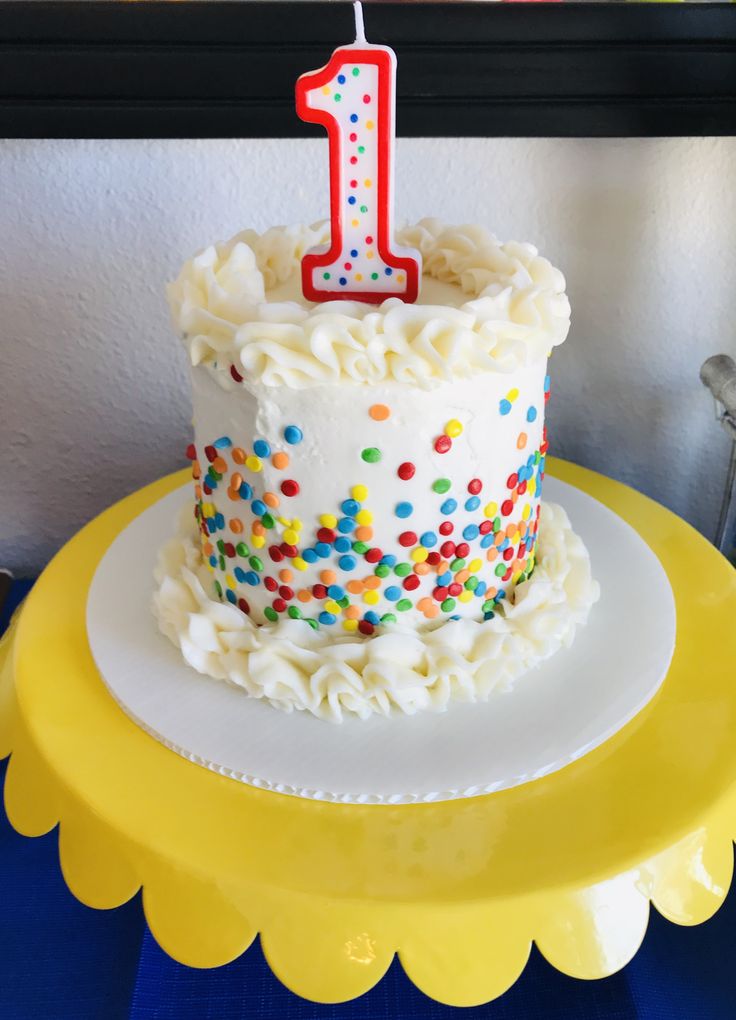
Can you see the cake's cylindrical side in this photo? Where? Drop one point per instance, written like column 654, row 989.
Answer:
column 356, row 506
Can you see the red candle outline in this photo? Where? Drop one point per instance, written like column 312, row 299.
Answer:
column 384, row 60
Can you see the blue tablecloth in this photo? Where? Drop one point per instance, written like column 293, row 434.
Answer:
column 59, row 959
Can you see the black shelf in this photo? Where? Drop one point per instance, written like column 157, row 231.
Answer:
column 209, row 69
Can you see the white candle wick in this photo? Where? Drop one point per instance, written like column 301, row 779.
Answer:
column 359, row 26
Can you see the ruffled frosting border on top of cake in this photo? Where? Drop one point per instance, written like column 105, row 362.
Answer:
column 516, row 311
column 404, row 670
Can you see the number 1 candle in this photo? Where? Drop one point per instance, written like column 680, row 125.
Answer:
column 353, row 97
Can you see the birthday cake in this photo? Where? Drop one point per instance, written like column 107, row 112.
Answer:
column 367, row 531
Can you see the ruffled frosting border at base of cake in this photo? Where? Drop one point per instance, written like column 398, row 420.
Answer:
column 400, row 670
column 512, row 309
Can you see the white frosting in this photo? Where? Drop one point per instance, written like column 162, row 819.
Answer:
column 483, row 307
column 331, row 675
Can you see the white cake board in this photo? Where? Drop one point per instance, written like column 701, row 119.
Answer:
column 554, row 715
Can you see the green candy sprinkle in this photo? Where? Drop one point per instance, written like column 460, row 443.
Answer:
column 270, row 614
column 448, row 605
column 471, row 584
column 371, row 455
column 325, row 276
column 256, row 563
column 388, row 618
column 312, row 623
column 344, row 602
column 496, row 525
column 221, row 545
column 403, row 604
column 456, row 565
column 356, row 72
column 374, row 276
column 222, row 563
column 442, row 485
column 218, row 589
column 268, row 521
column 338, row 97
column 242, row 549
column 360, row 547
column 500, row 570
column 402, row 569
column 294, row 612
column 488, row 606
column 382, row 570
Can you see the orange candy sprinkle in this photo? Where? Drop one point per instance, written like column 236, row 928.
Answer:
column 236, row 526
column 461, row 576
column 286, row 576
column 304, row 595
column 364, row 533
column 352, row 613
column 355, row 587
column 442, row 567
column 236, row 481
column 271, row 499
column 197, row 491
column 431, row 611
column 208, row 548
column 372, row 582
column 511, row 530
column 233, row 494
column 196, row 470
column 220, row 465
column 521, row 441
column 239, row 455
column 424, row 604
column 379, row 412
column 491, row 555
column 422, row 568
column 280, row 461
column 328, row 577
column 257, row 528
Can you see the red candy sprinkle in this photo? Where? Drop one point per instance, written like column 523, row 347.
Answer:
column 506, row 507
column 235, row 374
column 243, row 606
column 446, row 528
column 522, row 488
column 289, row 550
column 406, row 470
column 366, row 627
column 512, row 481
column 275, row 553
column 454, row 589
column 407, row 538
column 485, row 527
column 508, row 554
column 433, row 559
column 326, row 535
column 229, row 549
column 271, row 583
column 206, row 489
column 442, row 444
column 447, row 549
column 210, row 453
column 374, row 555
column 474, row 486
column 319, row 591
column 522, row 550
column 191, row 452
column 462, row 550
column 411, row 581
column 286, row 592
column 289, row 487
column 279, row 605
column 440, row 593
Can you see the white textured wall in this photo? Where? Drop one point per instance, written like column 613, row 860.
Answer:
column 93, row 391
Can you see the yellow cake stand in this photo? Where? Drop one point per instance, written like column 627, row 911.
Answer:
column 458, row 889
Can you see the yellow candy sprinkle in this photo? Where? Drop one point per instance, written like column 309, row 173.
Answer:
column 285, row 521
column 358, row 278
column 350, row 624
column 355, row 223
column 516, row 538
column 208, row 509
column 332, row 607
column 210, row 567
column 474, row 566
column 325, row 90
column 299, row 563
column 364, row 517
column 453, row 428
column 328, row 521
column 230, row 581
column 296, row 524
column 512, row 394
column 465, row 596
column 257, row 541
column 359, row 492
column 253, row 463
column 419, row 554
column 291, row 537
column 527, row 512
column 371, row 598
column 490, row 509
column 531, row 486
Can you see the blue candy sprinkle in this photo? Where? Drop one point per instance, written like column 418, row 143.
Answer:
column 219, row 522
column 223, row 442
column 245, row 491
column 326, row 618
column 470, row 532
column 351, row 200
column 392, row 593
column 341, row 79
column 353, row 118
column 350, row 507
column 346, row 525
column 428, row 539
column 354, row 253
column 531, row 414
column 486, row 541
column 343, row 545
column 389, row 560
column 231, row 596
column 547, row 383
column 261, row 448
column 309, row 556
column 388, row 271
column 404, row 510
column 213, row 561
column 500, row 595
column 346, row 563
column 455, row 617
column 293, row 434
column 252, row 578
column 372, row 617
column 239, row 574
column 322, row 549
column 258, row 507
column 472, row 503
column 336, row 592
column 445, row 578
column 342, row 281
column 449, row 506
column 212, row 483
column 504, row 406
column 481, row 589
column 211, row 524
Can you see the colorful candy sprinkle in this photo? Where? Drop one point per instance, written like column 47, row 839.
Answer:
column 293, row 434
column 371, row 455
column 379, row 412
